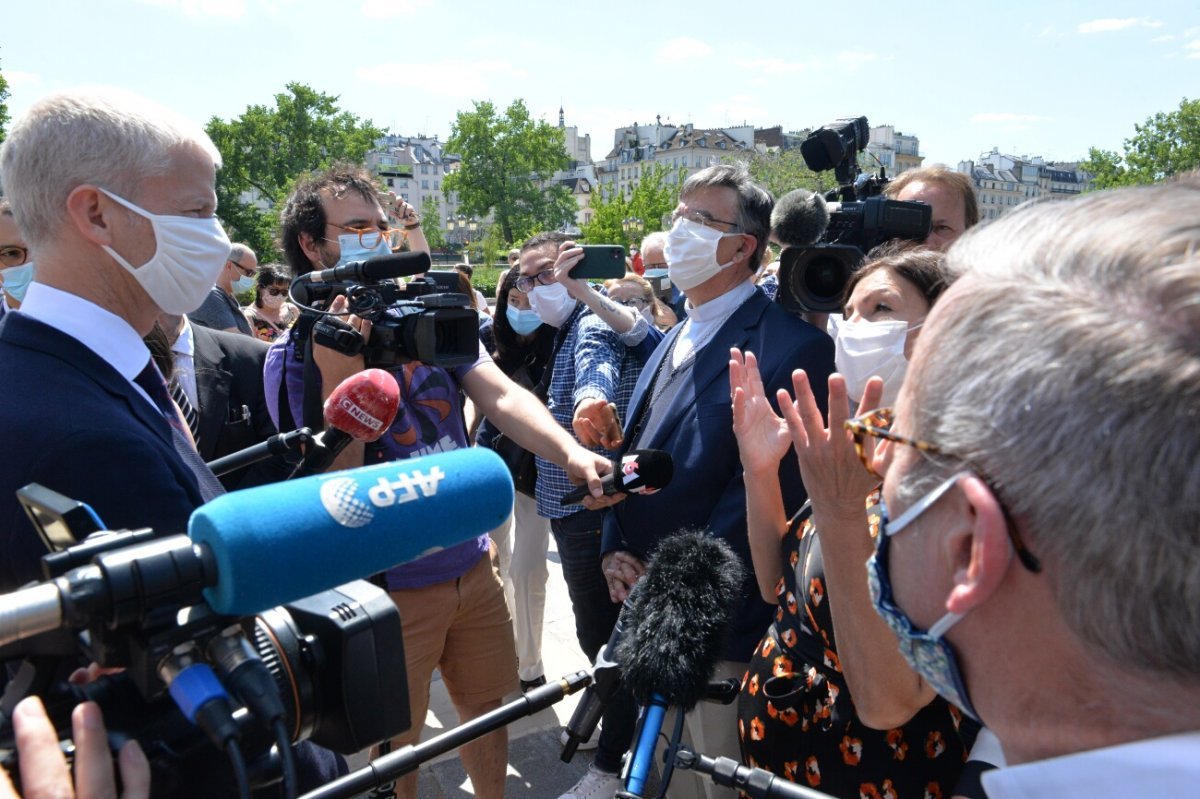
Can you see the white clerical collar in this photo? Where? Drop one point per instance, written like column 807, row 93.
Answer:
column 103, row 332
column 720, row 308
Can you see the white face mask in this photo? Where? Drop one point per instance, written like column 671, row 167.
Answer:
column 865, row 349
column 552, row 303
column 272, row 300
column 189, row 255
column 691, row 253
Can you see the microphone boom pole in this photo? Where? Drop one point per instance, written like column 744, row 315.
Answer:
column 396, row 764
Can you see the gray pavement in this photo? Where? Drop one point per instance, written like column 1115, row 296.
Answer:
column 534, row 767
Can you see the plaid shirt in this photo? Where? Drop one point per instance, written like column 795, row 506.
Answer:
column 592, row 362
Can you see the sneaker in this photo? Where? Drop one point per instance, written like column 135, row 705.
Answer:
column 536, row 682
column 584, row 746
column 595, row 784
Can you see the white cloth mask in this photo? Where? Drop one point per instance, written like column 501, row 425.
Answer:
column 691, row 253
column 864, row 349
column 552, row 303
column 189, row 254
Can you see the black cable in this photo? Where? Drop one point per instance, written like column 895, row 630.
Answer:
column 287, row 758
column 238, row 761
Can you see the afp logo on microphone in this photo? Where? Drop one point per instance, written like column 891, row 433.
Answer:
column 344, row 499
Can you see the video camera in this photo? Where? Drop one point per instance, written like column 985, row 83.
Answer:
column 327, row 668
column 813, row 277
column 426, row 319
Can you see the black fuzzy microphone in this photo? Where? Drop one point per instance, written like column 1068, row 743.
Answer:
column 799, row 218
column 676, row 619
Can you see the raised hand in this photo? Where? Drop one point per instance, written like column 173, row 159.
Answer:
column 762, row 436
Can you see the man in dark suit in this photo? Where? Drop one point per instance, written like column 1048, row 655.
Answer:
column 117, row 197
column 221, row 375
column 681, row 404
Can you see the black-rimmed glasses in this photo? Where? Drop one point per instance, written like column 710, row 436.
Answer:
column 526, row 283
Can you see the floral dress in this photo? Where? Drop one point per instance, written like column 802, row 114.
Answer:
column 795, row 714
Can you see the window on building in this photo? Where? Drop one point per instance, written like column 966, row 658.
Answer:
column 435, row 185
column 390, row 182
column 424, row 169
column 425, row 184
column 404, row 183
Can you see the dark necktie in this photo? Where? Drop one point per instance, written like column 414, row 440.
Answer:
column 151, row 381
column 187, row 409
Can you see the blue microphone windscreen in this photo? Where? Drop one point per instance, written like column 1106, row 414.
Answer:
column 281, row 542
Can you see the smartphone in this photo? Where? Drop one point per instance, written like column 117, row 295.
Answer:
column 602, row 261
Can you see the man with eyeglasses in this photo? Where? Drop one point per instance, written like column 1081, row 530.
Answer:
column 1039, row 555
column 682, row 405
column 16, row 267
column 451, row 602
column 220, row 309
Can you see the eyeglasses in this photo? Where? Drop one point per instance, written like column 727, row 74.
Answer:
column 369, row 237
column 634, row 302
column 706, row 219
column 12, row 255
column 274, row 292
column 878, row 423
column 526, row 283
column 244, row 270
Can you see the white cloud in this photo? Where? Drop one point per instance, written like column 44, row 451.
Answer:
column 772, row 66
column 854, row 59
column 1109, row 24
column 683, row 48
column 467, row 79
column 1194, row 47
column 389, row 9
column 1161, row 39
column 225, row 9
column 1046, row 31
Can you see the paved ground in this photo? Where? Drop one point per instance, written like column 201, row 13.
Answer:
column 534, row 767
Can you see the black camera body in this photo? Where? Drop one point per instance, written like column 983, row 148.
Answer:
column 427, row 319
column 134, row 602
column 814, row 277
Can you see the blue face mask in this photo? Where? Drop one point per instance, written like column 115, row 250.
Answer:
column 17, row 280
column 523, row 322
column 927, row 653
column 353, row 250
column 243, row 284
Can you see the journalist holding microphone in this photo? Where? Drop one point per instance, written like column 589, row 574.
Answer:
column 451, row 602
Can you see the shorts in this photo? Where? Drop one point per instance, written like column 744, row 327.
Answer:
column 463, row 628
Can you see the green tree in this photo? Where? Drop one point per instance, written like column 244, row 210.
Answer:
column 3, row 107
column 506, row 163
column 653, row 196
column 1167, row 144
column 782, row 171
column 431, row 223
column 266, row 149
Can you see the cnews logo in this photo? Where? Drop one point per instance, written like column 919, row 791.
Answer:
column 337, row 495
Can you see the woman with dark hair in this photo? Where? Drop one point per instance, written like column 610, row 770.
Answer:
column 270, row 315
column 521, row 346
column 839, row 712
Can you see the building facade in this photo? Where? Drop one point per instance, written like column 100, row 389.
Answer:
column 1002, row 181
column 896, row 152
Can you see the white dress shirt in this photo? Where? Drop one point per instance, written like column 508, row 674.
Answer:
column 184, row 350
column 1157, row 767
column 703, row 323
column 102, row 332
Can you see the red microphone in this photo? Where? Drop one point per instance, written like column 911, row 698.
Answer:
column 361, row 408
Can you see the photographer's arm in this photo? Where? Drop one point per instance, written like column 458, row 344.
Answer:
column 621, row 319
column 336, row 367
column 524, row 419
column 410, row 221
column 44, row 771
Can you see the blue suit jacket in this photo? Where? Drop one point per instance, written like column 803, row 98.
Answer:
column 73, row 424
column 706, row 491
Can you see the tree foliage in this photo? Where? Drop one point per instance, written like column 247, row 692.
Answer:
column 431, row 223
column 3, row 107
column 1167, row 144
column 781, row 171
column 266, row 149
column 653, row 197
column 506, row 163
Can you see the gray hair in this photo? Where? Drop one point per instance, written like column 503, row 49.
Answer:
column 102, row 136
column 655, row 239
column 754, row 202
column 1065, row 366
column 239, row 251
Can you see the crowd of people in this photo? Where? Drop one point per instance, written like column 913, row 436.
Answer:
column 942, row 496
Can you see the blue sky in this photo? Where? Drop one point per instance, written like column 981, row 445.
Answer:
column 1036, row 78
